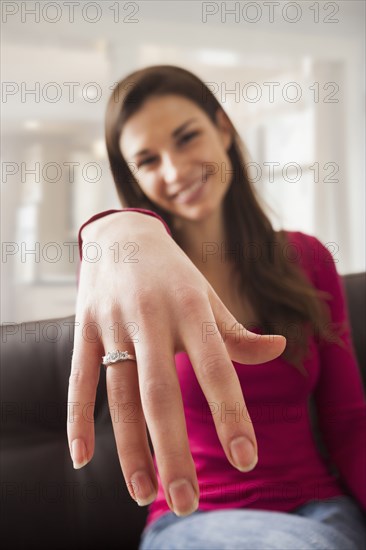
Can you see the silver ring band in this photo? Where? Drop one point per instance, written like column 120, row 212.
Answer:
column 116, row 357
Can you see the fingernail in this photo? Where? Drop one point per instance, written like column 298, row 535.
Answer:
column 243, row 454
column 142, row 488
column 184, row 498
column 273, row 337
column 78, row 453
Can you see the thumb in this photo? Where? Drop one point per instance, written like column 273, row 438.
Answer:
column 243, row 345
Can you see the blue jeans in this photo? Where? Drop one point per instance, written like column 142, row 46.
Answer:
column 337, row 523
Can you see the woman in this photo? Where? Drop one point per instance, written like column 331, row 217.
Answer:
column 226, row 473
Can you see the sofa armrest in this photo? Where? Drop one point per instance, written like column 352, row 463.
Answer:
column 48, row 503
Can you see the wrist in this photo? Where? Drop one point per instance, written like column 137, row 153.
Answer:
column 121, row 224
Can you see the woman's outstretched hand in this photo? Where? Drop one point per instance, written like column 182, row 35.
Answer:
column 145, row 295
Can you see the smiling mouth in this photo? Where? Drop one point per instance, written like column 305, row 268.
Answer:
column 183, row 195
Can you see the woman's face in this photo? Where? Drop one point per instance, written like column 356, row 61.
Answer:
column 179, row 157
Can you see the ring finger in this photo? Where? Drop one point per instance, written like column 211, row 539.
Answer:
column 129, row 426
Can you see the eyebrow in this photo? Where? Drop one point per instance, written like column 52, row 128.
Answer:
column 175, row 133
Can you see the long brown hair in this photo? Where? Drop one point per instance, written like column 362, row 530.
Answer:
column 278, row 289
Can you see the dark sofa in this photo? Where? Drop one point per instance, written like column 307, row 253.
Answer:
column 46, row 504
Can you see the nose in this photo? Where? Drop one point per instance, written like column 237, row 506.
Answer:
column 174, row 169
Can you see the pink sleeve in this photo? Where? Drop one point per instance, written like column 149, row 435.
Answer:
column 105, row 213
column 339, row 394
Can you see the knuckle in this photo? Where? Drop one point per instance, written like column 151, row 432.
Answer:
column 211, row 364
column 75, row 418
column 143, row 301
column 189, row 301
column 130, row 452
column 86, row 311
column 187, row 296
column 156, row 393
column 174, row 456
column 76, row 378
column 109, row 311
column 118, row 393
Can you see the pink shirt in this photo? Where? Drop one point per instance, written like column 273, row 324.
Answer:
column 290, row 470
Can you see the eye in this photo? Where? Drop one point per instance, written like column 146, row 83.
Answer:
column 189, row 136
column 183, row 140
column 146, row 161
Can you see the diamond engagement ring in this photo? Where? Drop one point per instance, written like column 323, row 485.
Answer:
column 116, row 357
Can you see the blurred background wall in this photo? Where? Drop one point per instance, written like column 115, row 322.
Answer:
column 290, row 74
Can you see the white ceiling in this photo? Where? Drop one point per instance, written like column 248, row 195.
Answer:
column 351, row 16
column 105, row 51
